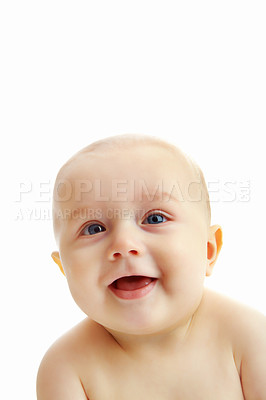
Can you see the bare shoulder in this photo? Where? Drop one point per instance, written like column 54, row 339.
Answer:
column 243, row 323
column 245, row 328
column 227, row 306
column 61, row 369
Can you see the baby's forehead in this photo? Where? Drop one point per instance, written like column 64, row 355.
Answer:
column 129, row 173
column 150, row 169
column 150, row 157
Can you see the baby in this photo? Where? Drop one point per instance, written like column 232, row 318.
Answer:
column 132, row 223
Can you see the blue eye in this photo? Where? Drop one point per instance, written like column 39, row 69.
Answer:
column 155, row 219
column 93, row 229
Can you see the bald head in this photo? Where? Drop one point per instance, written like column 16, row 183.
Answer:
column 118, row 143
column 127, row 144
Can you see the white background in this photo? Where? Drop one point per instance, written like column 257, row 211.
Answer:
column 191, row 72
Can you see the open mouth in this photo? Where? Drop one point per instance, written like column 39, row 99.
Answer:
column 132, row 287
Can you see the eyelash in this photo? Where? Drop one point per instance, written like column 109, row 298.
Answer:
column 156, row 213
column 153, row 214
column 91, row 225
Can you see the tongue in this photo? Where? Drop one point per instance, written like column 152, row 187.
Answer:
column 132, row 282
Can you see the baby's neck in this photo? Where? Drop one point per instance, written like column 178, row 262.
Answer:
column 150, row 344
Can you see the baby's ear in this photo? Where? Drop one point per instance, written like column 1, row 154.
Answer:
column 56, row 258
column 214, row 246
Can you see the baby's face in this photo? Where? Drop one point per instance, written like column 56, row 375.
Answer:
column 138, row 213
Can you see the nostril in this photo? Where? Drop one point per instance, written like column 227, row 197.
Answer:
column 133, row 252
column 115, row 255
column 118, row 254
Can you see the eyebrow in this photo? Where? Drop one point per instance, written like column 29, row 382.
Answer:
column 159, row 196
column 93, row 212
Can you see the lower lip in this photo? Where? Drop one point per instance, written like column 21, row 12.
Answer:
column 133, row 294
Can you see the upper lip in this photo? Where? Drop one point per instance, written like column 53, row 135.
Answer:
column 127, row 275
column 129, row 267
column 130, row 271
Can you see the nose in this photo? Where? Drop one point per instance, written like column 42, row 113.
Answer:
column 124, row 245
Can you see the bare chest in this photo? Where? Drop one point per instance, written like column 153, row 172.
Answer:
column 201, row 377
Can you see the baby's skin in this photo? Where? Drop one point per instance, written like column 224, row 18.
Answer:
column 132, row 224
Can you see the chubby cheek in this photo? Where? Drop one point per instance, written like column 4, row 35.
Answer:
column 183, row 263
column 81, row 277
